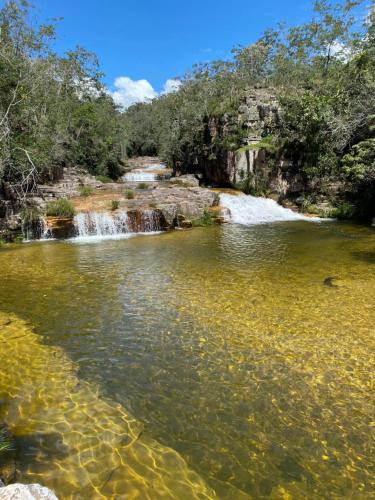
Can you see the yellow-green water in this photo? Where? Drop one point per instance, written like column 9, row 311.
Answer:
column 213, row 363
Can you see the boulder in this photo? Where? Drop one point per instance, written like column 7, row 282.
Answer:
column 19, row 491
column 183, row 222
column 188, row 180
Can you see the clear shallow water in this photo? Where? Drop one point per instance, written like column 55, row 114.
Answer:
column 205, row 363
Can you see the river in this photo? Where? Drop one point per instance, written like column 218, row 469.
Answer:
column 221, row 362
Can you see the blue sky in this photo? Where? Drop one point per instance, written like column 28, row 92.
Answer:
column 159, row 40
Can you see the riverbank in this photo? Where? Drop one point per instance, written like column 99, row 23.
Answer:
column 161, row 203
column 145, row 199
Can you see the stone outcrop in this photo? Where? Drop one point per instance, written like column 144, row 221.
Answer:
column 258, row 116
column 66, row 186
column 188, row 180
column 19, row 491
column 162, row 208
column 222, row 162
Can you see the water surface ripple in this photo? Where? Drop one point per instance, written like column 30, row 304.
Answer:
column 250, row 374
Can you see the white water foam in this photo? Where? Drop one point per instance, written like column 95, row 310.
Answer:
column 101, row 224
column 139, row 176
column 249, row 210
column 108, row 237
column 92, row 227
column 144, row 174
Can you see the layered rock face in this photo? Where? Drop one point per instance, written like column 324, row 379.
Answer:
column 258, row 116
column 223, row 163
column 66, row 186
column 159, row 209
column 159, row 205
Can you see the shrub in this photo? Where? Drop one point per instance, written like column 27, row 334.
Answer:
column 205, row 220
column 60, row 208
column 142, row 185
column 129, row 194
column 2, row 242
column 30, row 216
column 359, row 164
column 85, row 190
column 103, row 178
column 114, row 205
column 343, row 211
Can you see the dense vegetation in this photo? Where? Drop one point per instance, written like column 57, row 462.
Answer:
column 323, row 73
column 54, row 111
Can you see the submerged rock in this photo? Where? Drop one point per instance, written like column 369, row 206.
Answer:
column 19, row 491
column 334, row 282
column 8, row 463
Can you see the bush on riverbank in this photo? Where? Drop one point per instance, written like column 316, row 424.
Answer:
column 114, row 205
column 343, row 211
column 85, row 190
column 103, row 178
column 207, row 219
column 60, row 208
column 30, row 216
column 129, row 193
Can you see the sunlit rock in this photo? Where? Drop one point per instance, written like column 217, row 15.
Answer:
column 26, row 492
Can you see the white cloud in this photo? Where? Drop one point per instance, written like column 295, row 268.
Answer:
column 340, row 51
column 171, row 85
column 128, row 91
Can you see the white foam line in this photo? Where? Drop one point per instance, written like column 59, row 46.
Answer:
column 98, row 239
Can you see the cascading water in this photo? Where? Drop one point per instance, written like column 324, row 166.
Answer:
column 139, row 176
column 100, row 225
column 249, row 210
column 37, row 229
column 146, row 174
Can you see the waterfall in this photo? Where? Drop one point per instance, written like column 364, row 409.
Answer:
column 249, row 210
column 139, row 176
column 101, row 225
column 37, row 229
column 149, row 173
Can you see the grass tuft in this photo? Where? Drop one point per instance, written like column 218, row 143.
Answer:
column 60, row 208
column 85, row 190
column 114, row 205
column 129, row 193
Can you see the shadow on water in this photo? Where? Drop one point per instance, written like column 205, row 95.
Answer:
column 368, row 257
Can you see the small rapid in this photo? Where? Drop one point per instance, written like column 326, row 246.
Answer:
column 149, row 173
column 249, row 210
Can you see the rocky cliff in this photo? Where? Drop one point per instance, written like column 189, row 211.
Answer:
column 239, row 152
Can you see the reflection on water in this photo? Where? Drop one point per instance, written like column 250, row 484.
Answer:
column 222, row 344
